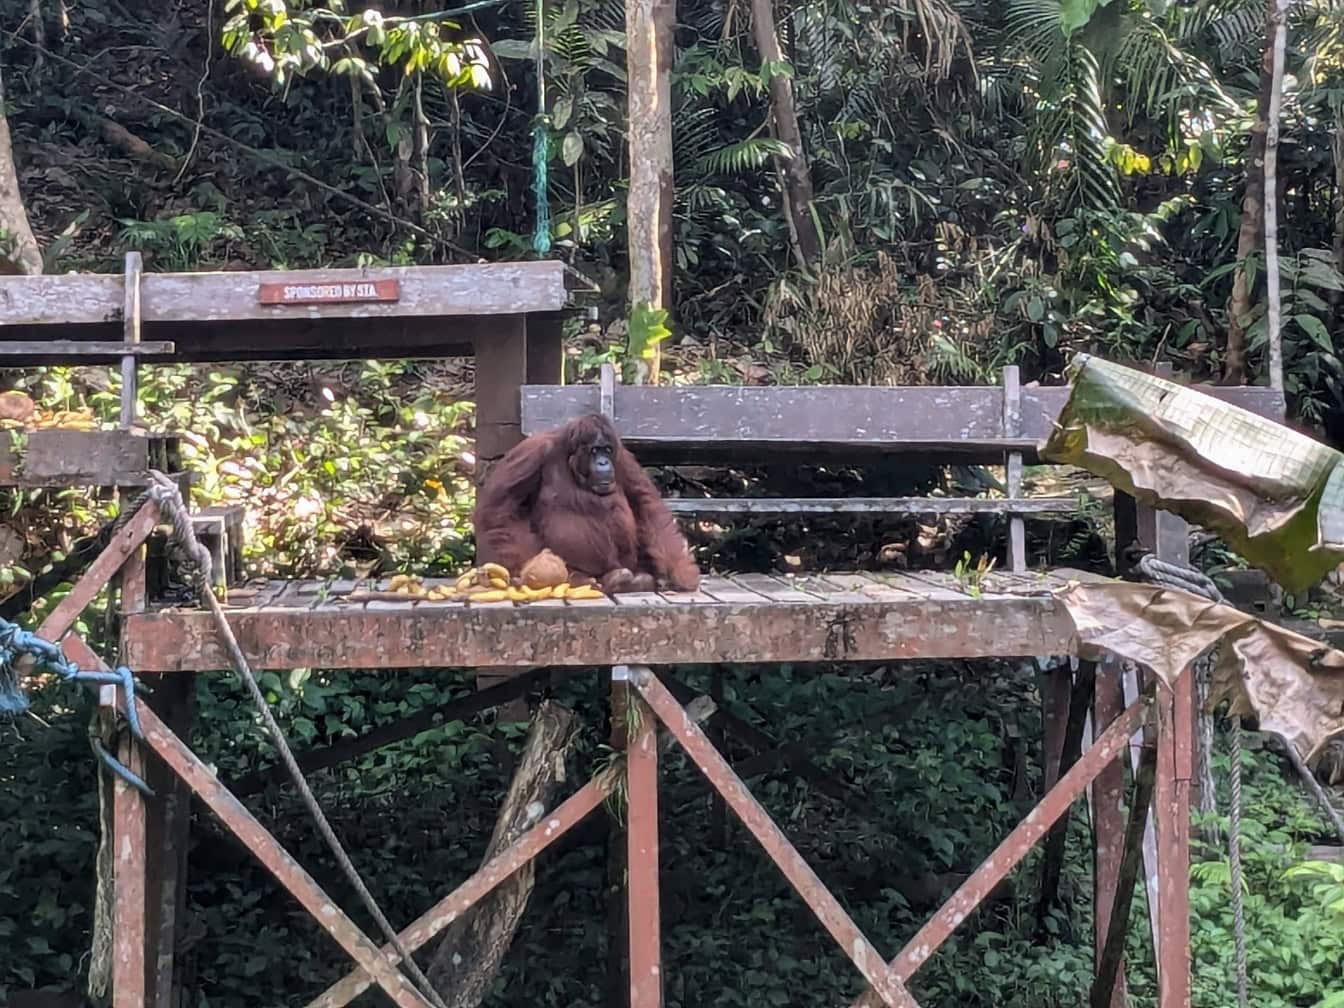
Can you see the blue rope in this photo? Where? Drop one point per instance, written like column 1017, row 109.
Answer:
column 541, row 232
column 17, row 643
column 541, row 235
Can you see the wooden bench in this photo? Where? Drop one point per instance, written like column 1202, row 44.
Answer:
column 999, row 425
column 732, row 618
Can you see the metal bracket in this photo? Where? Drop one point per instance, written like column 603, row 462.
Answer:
column 621, row 673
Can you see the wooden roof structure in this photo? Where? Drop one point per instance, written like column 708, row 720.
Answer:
column 276, row 315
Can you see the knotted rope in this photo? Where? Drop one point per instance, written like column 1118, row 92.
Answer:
column 174, row 511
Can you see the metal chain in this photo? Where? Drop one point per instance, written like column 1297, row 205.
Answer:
column 165, row 492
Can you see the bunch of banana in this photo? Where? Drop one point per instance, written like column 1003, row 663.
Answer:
column 492, row 583
column 485, row 584
column 79, row 420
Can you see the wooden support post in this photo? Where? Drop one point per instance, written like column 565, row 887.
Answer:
column 501, row 370
column 167, row 840
column 545, row 349
column 1172, row 800
column 1108, row 820
column 641, row 762
column 1012, row 427
column 1056, row 690
column 130, row 321
column 1052, row 857
column 130, row 969
column 618, row 976
column 1111, row 952
column 502, row 367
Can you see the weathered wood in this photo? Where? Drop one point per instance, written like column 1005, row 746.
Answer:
column 473, row 289
column 130, row 968
column 472, row 948
column 167, row 842
column 1012, row 427
column 555, row 824
column 1052, row 855
column 1109, row 841
column 130, row 321
column 934, row 417
column 1108, row 986
column 869, row 505
column 284, row 339
column 545, row 349
column 47, row 349
column 642, row 904
column 918, row 621
column 55, row 457
column 278, row 861
column 501, row 367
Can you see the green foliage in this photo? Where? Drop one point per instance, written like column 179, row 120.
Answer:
column 1294, row 909
column 647, row 329
column 285, row 41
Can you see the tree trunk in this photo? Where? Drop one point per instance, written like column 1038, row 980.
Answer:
column 473, row 947
column 1274, row 317
column 649, row 47
column 794, row 171
column 1252, row 217
column 1337, row 149
column 18, row 248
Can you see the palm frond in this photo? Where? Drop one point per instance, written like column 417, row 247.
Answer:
column 742, row 156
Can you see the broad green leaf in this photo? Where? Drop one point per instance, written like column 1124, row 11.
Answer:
column 572, row 148
column 1315, row 328
column 564, row 108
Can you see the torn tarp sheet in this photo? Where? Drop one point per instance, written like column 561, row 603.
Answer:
column 1272, row 494
column 1292, row 684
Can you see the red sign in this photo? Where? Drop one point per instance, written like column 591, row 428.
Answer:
column 328, row 292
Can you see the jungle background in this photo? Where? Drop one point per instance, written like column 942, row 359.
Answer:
column 983, row 182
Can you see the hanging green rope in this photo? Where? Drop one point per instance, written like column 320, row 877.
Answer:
column 541, row 235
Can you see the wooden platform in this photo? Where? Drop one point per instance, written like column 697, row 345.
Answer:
column 744, row 618
column 281, row 315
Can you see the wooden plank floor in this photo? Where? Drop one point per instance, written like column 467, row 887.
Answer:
column 742, row 618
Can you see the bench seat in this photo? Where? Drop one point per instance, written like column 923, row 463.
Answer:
column 869, row 505
column 746, row 618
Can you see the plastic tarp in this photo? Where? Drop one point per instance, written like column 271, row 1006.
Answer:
column 1292, row 684
column 1272, row 494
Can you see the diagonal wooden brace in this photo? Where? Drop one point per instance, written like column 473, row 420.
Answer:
column 995, row 868
column 772, row 839
column 278, row 861
column 126, row 541
column 566, row 815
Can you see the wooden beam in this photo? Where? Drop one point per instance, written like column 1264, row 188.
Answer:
column 130, row 321
column 49, row 349
column 235, row 296
column 899, row 625
column 501, row 368
column 826, row 414
column 106, row 458
column 869, row 505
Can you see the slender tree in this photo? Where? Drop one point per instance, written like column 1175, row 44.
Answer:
column 18, row 248
column 793, row 170
column 1251, row 233
column 1274, row 319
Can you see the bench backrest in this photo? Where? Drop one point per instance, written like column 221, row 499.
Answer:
column 710, row 424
